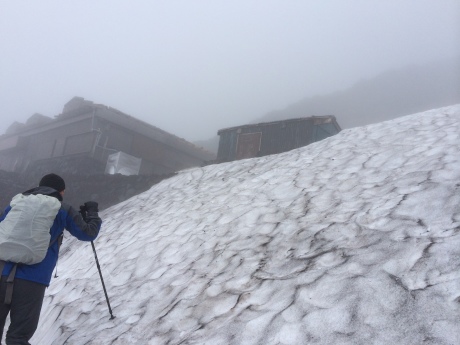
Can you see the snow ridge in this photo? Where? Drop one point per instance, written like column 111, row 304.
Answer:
column 351, row 240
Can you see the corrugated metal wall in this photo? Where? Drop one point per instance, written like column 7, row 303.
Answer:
column 276, row 137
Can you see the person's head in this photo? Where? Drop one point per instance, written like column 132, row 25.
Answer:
column 53, row 181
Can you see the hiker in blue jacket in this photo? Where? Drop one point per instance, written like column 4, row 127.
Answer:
column 22, row 287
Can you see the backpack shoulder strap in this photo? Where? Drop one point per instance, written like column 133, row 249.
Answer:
column 9, row 285
column 58, row 239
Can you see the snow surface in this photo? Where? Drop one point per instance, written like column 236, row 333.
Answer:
column 351, row 240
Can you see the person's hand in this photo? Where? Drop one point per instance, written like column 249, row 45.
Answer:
column 91, row 206
column 83, row 211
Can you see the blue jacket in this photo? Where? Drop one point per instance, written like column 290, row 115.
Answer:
column 67, row 218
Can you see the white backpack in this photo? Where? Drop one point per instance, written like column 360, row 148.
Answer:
column 25, row 231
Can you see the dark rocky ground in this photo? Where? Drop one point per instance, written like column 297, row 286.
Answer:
column 107, row 190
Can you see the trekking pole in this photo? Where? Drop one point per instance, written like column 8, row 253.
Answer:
column 55, row 273
column 102, row 280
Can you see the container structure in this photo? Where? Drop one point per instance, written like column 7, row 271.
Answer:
column 261, row 139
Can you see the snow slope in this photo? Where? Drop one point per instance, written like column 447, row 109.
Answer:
column 351, row 240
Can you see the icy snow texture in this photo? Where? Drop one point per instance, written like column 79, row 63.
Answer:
column 351, row 240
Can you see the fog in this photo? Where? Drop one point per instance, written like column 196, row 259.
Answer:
column 194, row 67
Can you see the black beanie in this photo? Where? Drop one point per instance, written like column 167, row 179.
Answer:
column 53, row 181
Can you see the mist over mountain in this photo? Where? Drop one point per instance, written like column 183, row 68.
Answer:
column 389, row 95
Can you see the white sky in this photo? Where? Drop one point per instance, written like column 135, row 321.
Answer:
column 351, row 240
column 193, row 67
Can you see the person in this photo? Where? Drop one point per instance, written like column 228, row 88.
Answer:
column 30, row 281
